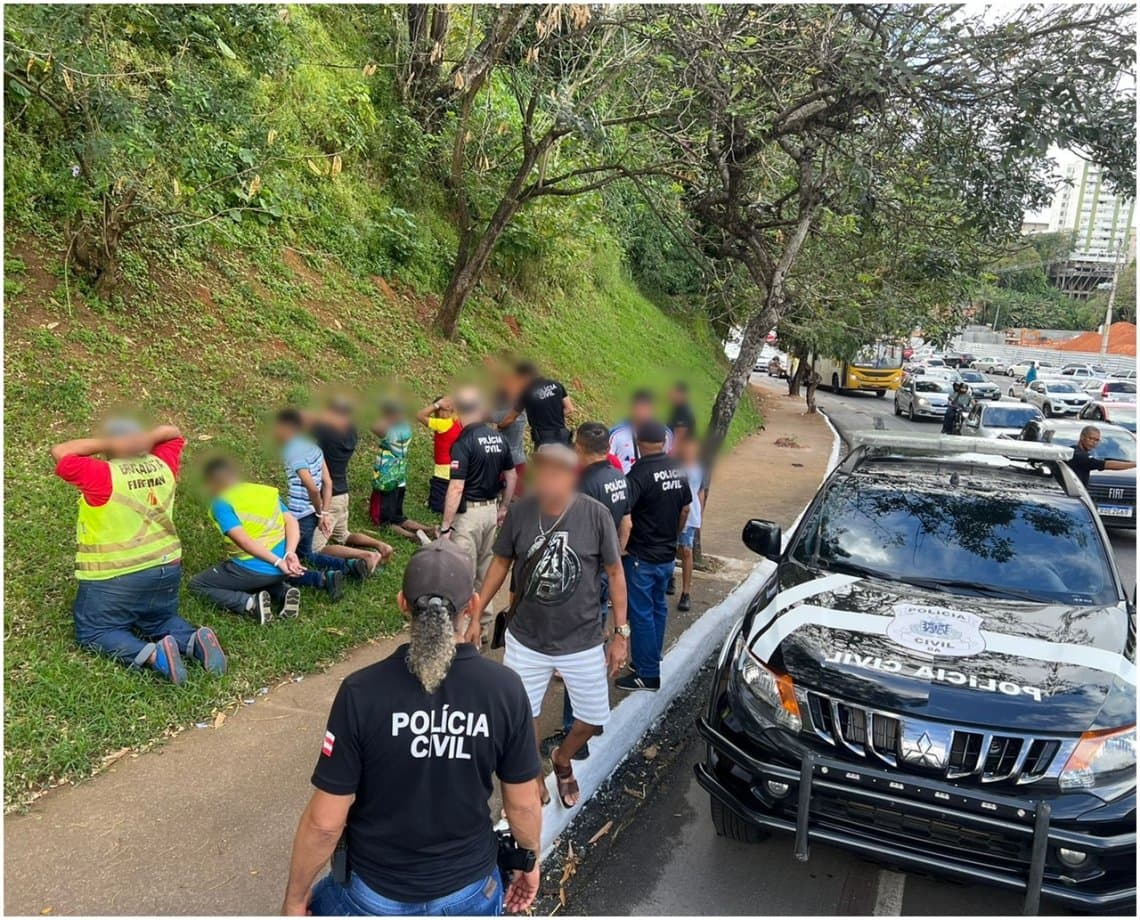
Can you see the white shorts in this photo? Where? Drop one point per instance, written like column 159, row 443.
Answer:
column 583, row 673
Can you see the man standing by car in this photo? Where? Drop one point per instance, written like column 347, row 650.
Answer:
column 559, row 542
column 659, row 499
column 1083, row 463
column 405, row 770
column 481, row 468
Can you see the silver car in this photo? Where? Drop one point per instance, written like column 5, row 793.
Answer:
column 923, row 397
column 980, row 388
column 999, row 419
column 988, row 365
column 1055, row 397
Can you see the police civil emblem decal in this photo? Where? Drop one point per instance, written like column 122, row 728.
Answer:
column 936, row 630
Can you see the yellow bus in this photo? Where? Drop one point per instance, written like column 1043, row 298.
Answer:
column 877, row 368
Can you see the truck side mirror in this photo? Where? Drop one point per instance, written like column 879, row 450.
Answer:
column 763, row 538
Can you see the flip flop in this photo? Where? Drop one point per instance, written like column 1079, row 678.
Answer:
column 564, row 777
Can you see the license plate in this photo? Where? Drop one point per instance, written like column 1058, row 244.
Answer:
column 1114, row 511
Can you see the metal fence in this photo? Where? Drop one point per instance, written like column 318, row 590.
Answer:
column 1012, row 354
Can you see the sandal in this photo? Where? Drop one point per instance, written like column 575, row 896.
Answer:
column 564, row 777
column 543, row 792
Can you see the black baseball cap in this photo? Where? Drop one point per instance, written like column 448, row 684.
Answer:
column 652, row 433
column 439, row 569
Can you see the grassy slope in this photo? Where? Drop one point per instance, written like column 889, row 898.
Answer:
column 214, row 347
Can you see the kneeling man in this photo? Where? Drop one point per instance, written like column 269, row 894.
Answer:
column 559, row 543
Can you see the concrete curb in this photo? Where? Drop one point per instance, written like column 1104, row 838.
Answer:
column 633, row 716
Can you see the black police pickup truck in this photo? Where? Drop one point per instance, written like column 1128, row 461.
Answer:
column 939, row 674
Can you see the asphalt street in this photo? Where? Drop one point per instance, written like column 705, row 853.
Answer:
column 667, row 858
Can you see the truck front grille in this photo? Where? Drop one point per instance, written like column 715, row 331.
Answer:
column 966, row 754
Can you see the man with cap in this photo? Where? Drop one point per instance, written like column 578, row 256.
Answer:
column 129, row 559
column 405, row 771
column 659, row 499
column 623, row 436
column 481, row 487
column 559, row 542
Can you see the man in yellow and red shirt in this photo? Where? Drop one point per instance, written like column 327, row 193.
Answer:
column 441, row 420
column 129, row 560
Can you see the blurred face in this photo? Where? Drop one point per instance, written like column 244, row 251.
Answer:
column 554, row 482
column 220, row 481
column 641, row 411
column 283, row 433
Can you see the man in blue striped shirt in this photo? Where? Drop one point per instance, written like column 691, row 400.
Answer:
column 310, row 493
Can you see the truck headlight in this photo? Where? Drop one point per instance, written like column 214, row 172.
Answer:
column 768, row 695
column 1098, row 755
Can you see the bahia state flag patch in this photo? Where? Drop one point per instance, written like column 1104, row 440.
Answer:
column 327, row 747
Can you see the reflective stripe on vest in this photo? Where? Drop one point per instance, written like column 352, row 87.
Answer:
column 134, row 530
column 258, row 508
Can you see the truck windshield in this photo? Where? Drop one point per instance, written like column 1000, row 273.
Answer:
column 1048, row 551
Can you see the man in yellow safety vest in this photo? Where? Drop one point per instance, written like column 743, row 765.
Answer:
column 129, row 561
column 261, row 540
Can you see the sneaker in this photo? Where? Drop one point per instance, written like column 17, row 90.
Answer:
column 292, row 605
column 168, row 661
column 261, row 610
column 204, row 646
column 633, row 682
column 357, row 569
column 671, row 588
column 684, row 604
column 334, row 584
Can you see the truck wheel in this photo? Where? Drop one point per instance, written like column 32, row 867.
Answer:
column 1047, row 410
column 910, row 412
column 729, row 824
column 834, row 383
column 880, row 393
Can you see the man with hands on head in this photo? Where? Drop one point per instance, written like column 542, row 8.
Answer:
column 481, row 469
column 128, row 560
column 405, row 771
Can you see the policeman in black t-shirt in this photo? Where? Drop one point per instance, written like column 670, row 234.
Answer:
column 406, row 765
column 682, row 420
column 481, row 468
column 546, row 404
column 1083, row 463
column 659, row 499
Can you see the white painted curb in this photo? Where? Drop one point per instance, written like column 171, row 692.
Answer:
column 630, row 719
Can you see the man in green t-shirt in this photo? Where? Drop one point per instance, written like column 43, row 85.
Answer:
column 390, row 475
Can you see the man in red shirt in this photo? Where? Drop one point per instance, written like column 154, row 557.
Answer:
column 129, row 560
column 440, row 419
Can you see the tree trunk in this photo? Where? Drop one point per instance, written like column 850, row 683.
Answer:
column 470, row 262
column 751, row 342
column 812, row 383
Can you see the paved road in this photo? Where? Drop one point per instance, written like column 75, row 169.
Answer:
column 670, row 861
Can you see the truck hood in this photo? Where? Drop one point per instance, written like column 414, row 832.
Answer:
column 1013, row 665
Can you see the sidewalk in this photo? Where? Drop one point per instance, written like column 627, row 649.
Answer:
column 204, row 824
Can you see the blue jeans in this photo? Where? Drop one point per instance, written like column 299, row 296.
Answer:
column 358, row 900
column 111, row 614
column 567, row 712
column 308, row 526
column 645, row 584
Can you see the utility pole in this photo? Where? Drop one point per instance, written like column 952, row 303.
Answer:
column 1111, row 299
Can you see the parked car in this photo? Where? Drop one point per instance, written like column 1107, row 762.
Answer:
column 1018, row 369
column 1055, row 397
column 923, row 397
column 1129, row 374
column 966, row 709
column 1119, row 413
column 1117, row 390
column 765, row 358
column 999, row 419
column 988, row 365
column 1113, row 491
column 1083, row 370
column 960, row 359
column 776, row 369
column 980, row 388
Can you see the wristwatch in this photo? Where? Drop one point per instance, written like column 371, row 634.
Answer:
column 622, row 630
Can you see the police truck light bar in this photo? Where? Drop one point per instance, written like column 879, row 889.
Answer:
column 956, row 444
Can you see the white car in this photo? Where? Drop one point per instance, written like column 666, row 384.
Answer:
column 988, row 365
column 1019, row 369
column 1055, row 397
column 1083, row 371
